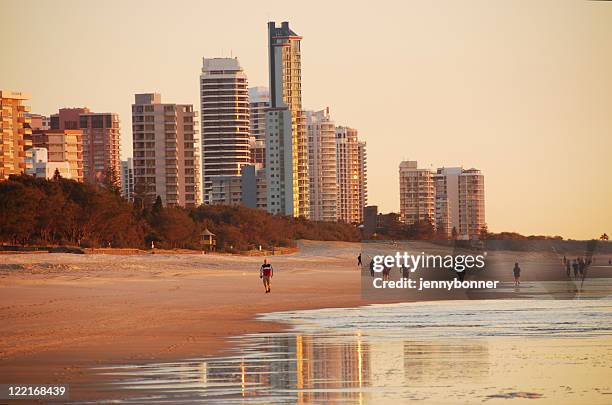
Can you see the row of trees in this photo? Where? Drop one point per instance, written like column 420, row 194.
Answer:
column 36, row 211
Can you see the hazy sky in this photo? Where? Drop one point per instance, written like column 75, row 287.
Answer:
column 519, row 89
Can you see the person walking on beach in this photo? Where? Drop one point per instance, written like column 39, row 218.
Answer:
column 568, row 269
column 575, row 266
column 517, row 274
column 372, row 267
column 266, row 272
column 359, row 260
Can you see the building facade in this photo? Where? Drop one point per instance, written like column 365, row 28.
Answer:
column 127, row 179
column 62, row 145
column 446, row 185
column 351, row 175
column 166, row 151
column 101, row 141
column 286, row 143
column 38, row 121
column 471, row 203
column 321, row 133
column 248, row 188
column 417, row 193
column 42, row 168
column 224, row 102
column 15, row 133
column 259, row 101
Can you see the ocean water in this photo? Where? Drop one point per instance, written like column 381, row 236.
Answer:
column 489, row 351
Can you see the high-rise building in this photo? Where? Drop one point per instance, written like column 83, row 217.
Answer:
column 286, row 143
column 62, row 145
column 446, row 185
column 471, row 203
column 101, row 140
column 166, row 151
column 351, row 175
column 38, row 121
column 14, row 133
column 224, row 101
column 248, row 188
column 127, row 179
column 417, row 193
column 259, row 101
column 42, row 168
column 321, row 132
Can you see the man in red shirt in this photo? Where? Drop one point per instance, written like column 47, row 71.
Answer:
column 266, row 273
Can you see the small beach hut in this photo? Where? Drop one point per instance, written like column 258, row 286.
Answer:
column 208, row 240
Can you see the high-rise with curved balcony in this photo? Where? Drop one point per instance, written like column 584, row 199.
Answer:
column 224, row 102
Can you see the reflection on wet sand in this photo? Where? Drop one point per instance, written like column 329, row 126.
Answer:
column 553, row 351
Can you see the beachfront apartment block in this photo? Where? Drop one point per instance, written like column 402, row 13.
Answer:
column 42, row 168
column 451, row 198
column 63, row 146
column 15, row 133
column 127, row 179
column 471, row 203
column 417, row 193
column 166, row 151
column 224, row 101
column 351, row 175
column 101, row 141
column 259, row 101
column 322, row 169
column 248, row 188
column 38, row 121
column 286, row 144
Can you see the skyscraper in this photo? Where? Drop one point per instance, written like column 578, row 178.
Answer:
column 351, row 175
column 417, row 193
column 471, row 203
column 259, row 101
column 286, row 143
column 166, row 156
column 446, row 184
column 224, row 104
column 321, row 133
column 101, row 140
column 14, row 133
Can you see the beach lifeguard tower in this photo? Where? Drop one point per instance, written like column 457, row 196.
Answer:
column 208, row 240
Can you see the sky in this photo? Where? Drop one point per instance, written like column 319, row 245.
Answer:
column 521, row 90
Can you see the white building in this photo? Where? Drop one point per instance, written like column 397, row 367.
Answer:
column 321, row 132
column 471, row 203
column 39, row 165
column 446, row 184
column 224, row 102
column 286, row 143
column 127, row 179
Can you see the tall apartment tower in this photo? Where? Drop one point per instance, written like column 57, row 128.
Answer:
column 101, row 140
column 446, row 184
column 15, row 133
column 259, row 101
column 166, row 151
column 417, row 193
column 224, row 101
column 127, row 179
column 286, row 143
column 471, row 203
column 351, row 175
column 321, row 132
column 62, row 145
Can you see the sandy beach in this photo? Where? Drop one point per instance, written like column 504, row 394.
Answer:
column 62, row 313
column 65, row 313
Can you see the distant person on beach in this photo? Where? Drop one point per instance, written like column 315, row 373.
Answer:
column 568, row 269
column 359, row 260
column 517, row 274
column 581, row 265
column 575, row 267
column 405, row 272
column 266, row 272
column 372, row 267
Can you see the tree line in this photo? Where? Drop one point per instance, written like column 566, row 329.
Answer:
column 35, row 211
